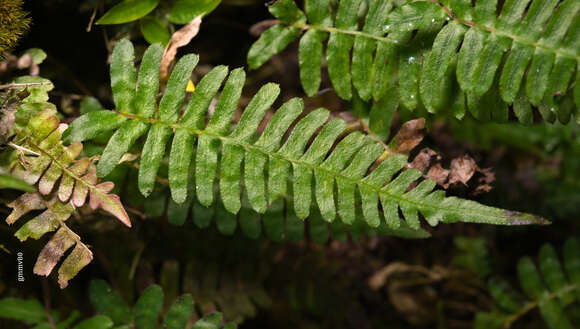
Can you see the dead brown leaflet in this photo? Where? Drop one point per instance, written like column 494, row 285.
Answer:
column 179, row 39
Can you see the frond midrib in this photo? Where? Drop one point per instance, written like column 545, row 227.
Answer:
column 420, row 206
column 66, row 170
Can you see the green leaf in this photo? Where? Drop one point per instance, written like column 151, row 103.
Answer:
column 184, row 11
column 38, row 55
column 90, row 104
column 96, row 322
column 127, row 11
column 436, row 65
column 154, row 30
column 417, row 15
column 38, row 90
column 123, row 76
column 25, row 310
column 108, row 302
column 179, row 313
column 310, row 57
column 271, row 42
column 148, row 307
column 72, row 318
column 286, row 11
column 11, row 182
column 91, row 125
column 211, row 321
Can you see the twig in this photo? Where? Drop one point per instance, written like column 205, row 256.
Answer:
column 46, row 294
column 135, row 262
column 90, row 26
column 23, row 149
column 260, row 27
column 29, row 84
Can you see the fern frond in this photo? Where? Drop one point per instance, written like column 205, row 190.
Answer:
column 263, row 163
column 552, row 289
column 148, row 309
column 115, row 312
column 526, row 55
column 63, row 184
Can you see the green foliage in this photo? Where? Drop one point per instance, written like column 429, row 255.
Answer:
column 32, row 313
column 9, row 181
column 553, row 290
column 472, row 254
column 114, row 312
column 344, row 167
column 438, row 54
column 184, row 11
column 154, row 30
column 127, row 11
column 13, row 24
column 237, row 290
column 181, row 12
column 148, row 309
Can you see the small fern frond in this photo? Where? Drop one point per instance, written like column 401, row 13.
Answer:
column 553, row 289
column 114, row 312
column 461, row 55
column 63, row 183
column 148, row 309
column 336, row 161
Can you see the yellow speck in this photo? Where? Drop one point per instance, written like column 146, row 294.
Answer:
column 190, row 87
column 5, row 249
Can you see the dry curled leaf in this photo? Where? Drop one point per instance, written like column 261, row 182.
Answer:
column 409, row 136
column 7, row 122
column 179, row 39
column 439, row 175
column 423, row 160
column 462, row 169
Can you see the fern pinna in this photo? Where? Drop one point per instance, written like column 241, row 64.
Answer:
column 438, row 54
column 553, row 290
column 336, row 162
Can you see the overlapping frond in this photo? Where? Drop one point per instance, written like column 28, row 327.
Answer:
column 63, row 183
column 553, row 290
column 257, row 165
column 438, row 54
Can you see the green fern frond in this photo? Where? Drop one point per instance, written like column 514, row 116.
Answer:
column 552, row 290
column 63, row 184
column 461, row 55
column 336, row 163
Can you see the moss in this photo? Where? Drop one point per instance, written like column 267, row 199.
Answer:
column 14, row 22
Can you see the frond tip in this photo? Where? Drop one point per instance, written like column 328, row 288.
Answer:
column 259, row 164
